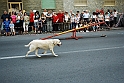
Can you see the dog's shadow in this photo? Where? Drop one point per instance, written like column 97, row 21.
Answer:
column 42, row 57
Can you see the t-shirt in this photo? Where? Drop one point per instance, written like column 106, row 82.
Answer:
column 11, row 25
column 73, row 19
column 107, row 18
column 100, row 17
column 6, row 24
column 49, row 17
column 61, row 17
column 77, row 19
column 13, row 17
column 66, row 18
column 32, row 17
column 4, row 16
column 86, row 15
column 55, row 18
column 115, row 14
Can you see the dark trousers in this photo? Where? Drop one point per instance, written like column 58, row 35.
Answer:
column 61, row 27
column 111, row 23
column 55, row 27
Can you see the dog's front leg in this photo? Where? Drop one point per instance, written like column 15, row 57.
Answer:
column 36, row 53
column 53, row 52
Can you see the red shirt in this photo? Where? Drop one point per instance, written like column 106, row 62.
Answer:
column 32, row 17
column 55, row 18
column 102, row 11
column 13, row 18
column 61, row 17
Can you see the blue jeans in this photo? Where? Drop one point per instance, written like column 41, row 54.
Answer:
column 49, row 26
column 36, row 24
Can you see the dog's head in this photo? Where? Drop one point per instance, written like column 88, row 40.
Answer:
column 57, row 42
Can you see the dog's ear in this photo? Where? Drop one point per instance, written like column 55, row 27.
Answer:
column 54, row 42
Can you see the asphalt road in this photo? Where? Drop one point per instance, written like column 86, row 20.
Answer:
column 91, row 59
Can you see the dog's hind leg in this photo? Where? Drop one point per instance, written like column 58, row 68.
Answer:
column 44, row 52
column 28, row 53
column 31, row 49
column 36, row 53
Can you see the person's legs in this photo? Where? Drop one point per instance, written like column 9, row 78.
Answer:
column 51, row 28
column 24, row 27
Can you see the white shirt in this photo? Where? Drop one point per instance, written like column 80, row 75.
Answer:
column 94, row 16
column 107, row 18
column 66, row 17
column 77, row 19
column 100, row 17
column 115, row 14
column 86, row 15
column 18, row 17
column 11, row 25
column 72, row 19
column 45, row 13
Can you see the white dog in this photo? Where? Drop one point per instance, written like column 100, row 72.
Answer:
column 43, row 44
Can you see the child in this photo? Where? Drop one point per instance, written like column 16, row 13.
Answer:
column 6, row 27
column 11, row 25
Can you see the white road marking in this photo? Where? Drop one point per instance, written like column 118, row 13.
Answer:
column 15, row 57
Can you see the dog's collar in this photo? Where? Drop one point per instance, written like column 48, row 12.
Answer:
column 53, row 44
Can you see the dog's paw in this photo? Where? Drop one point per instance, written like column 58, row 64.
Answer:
column 38, row 56
column 43, row 53
column 55, row 55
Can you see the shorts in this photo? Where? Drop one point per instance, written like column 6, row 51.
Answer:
column 12, row 30
column 31, row 24
column 7, row 29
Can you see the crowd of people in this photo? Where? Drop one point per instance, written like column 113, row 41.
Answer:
column 49, row 21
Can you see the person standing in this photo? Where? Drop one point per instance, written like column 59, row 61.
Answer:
column 86, row 16
column 13, row 17
column 36, row 23
column 94, row 20
column 111, row 20
column 107, row 19
column 66, row 21
column 115, row 13
column 77, row 20
column 6, row 27
column 32, row 20
column 55, row 19
column 49, row 21
column 72, row 19
column 5, row 15
column 3, row 18
column 19, row 24
column 44, row 26
column 11, row 25
column 101, row 19
column 61, row 20
column 26, row 23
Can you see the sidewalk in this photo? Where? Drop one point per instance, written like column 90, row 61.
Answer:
column 113, row 28
column 117, row 28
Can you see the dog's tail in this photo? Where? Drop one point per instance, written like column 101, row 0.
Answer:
column 28, row 45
